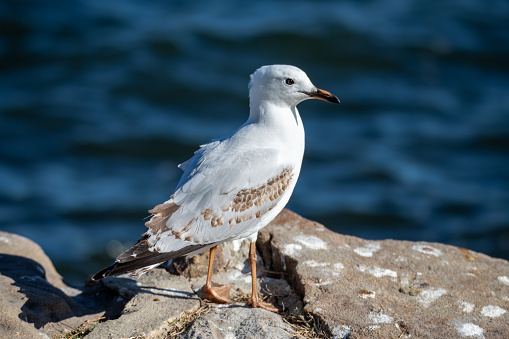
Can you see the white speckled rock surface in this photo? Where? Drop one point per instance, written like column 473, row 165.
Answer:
column 389, row 289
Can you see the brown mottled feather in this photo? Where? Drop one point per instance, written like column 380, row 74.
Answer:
column 161, row 214
column 141, row 255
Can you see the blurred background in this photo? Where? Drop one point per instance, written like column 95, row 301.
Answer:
column 100, row 100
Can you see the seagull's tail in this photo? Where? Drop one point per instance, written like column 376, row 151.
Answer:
column 134, row 268
column 139, row 259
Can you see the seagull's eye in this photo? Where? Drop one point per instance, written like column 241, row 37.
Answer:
column 289, row 81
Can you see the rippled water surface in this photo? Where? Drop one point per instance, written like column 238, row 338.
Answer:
column 100, row 100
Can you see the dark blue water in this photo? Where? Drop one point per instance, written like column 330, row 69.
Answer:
column 100, row 100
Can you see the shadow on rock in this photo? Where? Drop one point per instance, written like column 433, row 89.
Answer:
column 45, row 303
column 128, row 288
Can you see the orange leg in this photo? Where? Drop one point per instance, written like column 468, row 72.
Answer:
column 215, row 292
column 255, row 299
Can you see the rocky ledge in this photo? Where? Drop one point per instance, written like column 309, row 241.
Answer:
column 328, row 284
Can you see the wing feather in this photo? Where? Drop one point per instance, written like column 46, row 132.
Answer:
column 225, row 193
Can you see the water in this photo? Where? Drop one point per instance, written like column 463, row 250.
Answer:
column 100, row 100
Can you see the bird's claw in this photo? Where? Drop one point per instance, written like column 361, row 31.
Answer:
column 216, row 293
column 256, row 302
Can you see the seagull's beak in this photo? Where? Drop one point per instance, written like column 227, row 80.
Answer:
column 323, row 95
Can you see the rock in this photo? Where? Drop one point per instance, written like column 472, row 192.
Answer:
column 238, row 321
column 34, row 302
column 12, row 319
column 156, row 299
column 17, row 245
column 353, row 288
column 389, row 289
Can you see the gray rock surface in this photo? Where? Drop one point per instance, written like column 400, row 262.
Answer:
column 389, row 289
column 354, row 287
column 35, row 302
column 238, row 321
column 155, row 299
column 17, row 245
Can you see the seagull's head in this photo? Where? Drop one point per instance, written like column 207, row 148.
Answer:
column 285, row 85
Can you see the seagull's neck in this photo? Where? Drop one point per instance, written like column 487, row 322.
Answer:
column 278, row 126
column 267, row 113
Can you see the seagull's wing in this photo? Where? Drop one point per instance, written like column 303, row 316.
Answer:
column 223, row 194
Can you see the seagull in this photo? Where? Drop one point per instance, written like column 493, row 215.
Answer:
column 233, row 186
